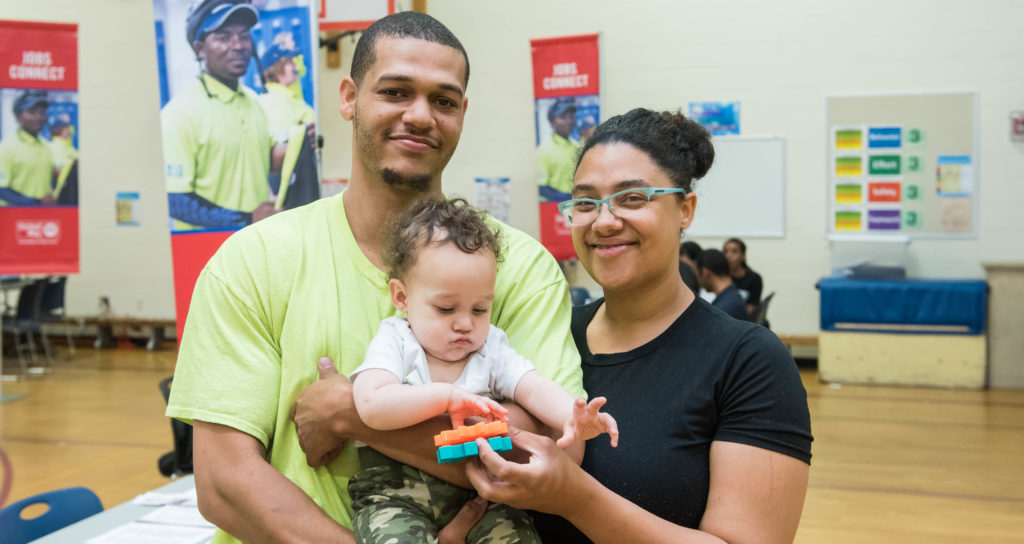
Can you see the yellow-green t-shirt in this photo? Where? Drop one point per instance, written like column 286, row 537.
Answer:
column 217, row 146
column 26, row 165
column 287, row 290
column 556, row 163
column 284, row 110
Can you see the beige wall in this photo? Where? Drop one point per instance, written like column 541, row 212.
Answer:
column 780, row 59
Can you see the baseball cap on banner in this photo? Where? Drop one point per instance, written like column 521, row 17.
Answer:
column 206, row 16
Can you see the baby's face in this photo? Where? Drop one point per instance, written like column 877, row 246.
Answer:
column 448, row 295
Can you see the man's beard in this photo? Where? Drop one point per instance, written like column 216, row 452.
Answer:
column 415, row 182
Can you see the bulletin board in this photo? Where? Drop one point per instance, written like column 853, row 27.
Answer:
column 744, row 193
column 902, row 165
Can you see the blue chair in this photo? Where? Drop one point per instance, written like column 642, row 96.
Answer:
column 66, row 506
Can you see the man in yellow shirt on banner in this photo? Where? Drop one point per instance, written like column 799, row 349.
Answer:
column 217, row 145
column 26, row 163
column 556, row 157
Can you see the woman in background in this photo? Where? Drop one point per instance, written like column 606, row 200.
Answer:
column 746, row 280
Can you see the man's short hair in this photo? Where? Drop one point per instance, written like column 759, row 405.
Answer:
column 404, row 24
column 715, row 261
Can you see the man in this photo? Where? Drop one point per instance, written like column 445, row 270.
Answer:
column 217, row 147
column 308, row 283
column 26, row 164
column 556, row 158
column 714, row 276
column 284, row 110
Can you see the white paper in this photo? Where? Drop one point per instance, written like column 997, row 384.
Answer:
column 150, row 533
column 173, row 514
column 154, row 498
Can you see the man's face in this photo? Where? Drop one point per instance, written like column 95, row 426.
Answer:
column 32, row 119
column 564, row 123
column 225, row 52
column 407, row 114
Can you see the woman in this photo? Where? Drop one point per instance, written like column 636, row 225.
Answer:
column 715, row 432
column 746, row 280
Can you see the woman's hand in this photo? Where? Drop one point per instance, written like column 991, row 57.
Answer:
column 549, row 482
column 587, row 422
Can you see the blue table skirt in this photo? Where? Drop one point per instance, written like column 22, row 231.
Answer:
column 962, row 303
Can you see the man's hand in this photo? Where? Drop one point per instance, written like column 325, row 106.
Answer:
column 458, row 528
column 462, row 404
column 264, row 210
column 48, row 200
column 325, row 416
column 588, row 421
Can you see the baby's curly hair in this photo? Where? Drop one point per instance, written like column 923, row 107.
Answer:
column 436, row 221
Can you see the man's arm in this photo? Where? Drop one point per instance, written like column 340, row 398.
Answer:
column 242, row 494
column 14, row 198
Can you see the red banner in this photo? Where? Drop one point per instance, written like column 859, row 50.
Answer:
column 39, row 148
column 566, row 87
column 39, row 240
column 189, row 254
column 38, row 55
column 565, row 66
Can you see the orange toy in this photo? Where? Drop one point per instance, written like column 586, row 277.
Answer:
column 471, row 433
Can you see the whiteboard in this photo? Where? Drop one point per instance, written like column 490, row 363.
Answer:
column 744, row 193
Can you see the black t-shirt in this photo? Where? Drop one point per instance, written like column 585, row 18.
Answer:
column 707, row 377
column 751, row 286
column 731, row 302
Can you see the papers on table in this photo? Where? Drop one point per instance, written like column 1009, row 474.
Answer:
column 155, row 498
column 169, row 524
column 138, row 532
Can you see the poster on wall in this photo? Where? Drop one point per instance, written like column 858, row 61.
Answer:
column 902, row 165
column 38, row 148
column 567, row 108
column 238, row 122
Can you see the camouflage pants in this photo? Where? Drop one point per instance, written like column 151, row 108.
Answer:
column 398, row 504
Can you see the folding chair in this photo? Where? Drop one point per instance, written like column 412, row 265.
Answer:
column 51, row 310
column 761, row 313
column 66, row 506
column 25, row 322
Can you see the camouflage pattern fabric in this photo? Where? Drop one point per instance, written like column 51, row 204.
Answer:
column 398, row 504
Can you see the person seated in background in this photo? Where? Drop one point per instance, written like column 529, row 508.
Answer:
column 714, row 276
column 746, row 280
column 688, row 253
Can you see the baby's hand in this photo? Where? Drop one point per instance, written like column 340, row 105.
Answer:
column 587, row 422
column 462, row 404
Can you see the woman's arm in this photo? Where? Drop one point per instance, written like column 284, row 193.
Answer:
column 755, row 496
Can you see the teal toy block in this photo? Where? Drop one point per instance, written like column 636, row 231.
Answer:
column 458, row 452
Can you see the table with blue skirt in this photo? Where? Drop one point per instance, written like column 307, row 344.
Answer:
column 906, row 332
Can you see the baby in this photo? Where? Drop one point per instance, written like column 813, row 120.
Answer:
column 445, row 356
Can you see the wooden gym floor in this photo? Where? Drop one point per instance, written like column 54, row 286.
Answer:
column 890, row 464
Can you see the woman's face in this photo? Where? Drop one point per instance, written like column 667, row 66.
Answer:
column 733, row 254
column 625, row 254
